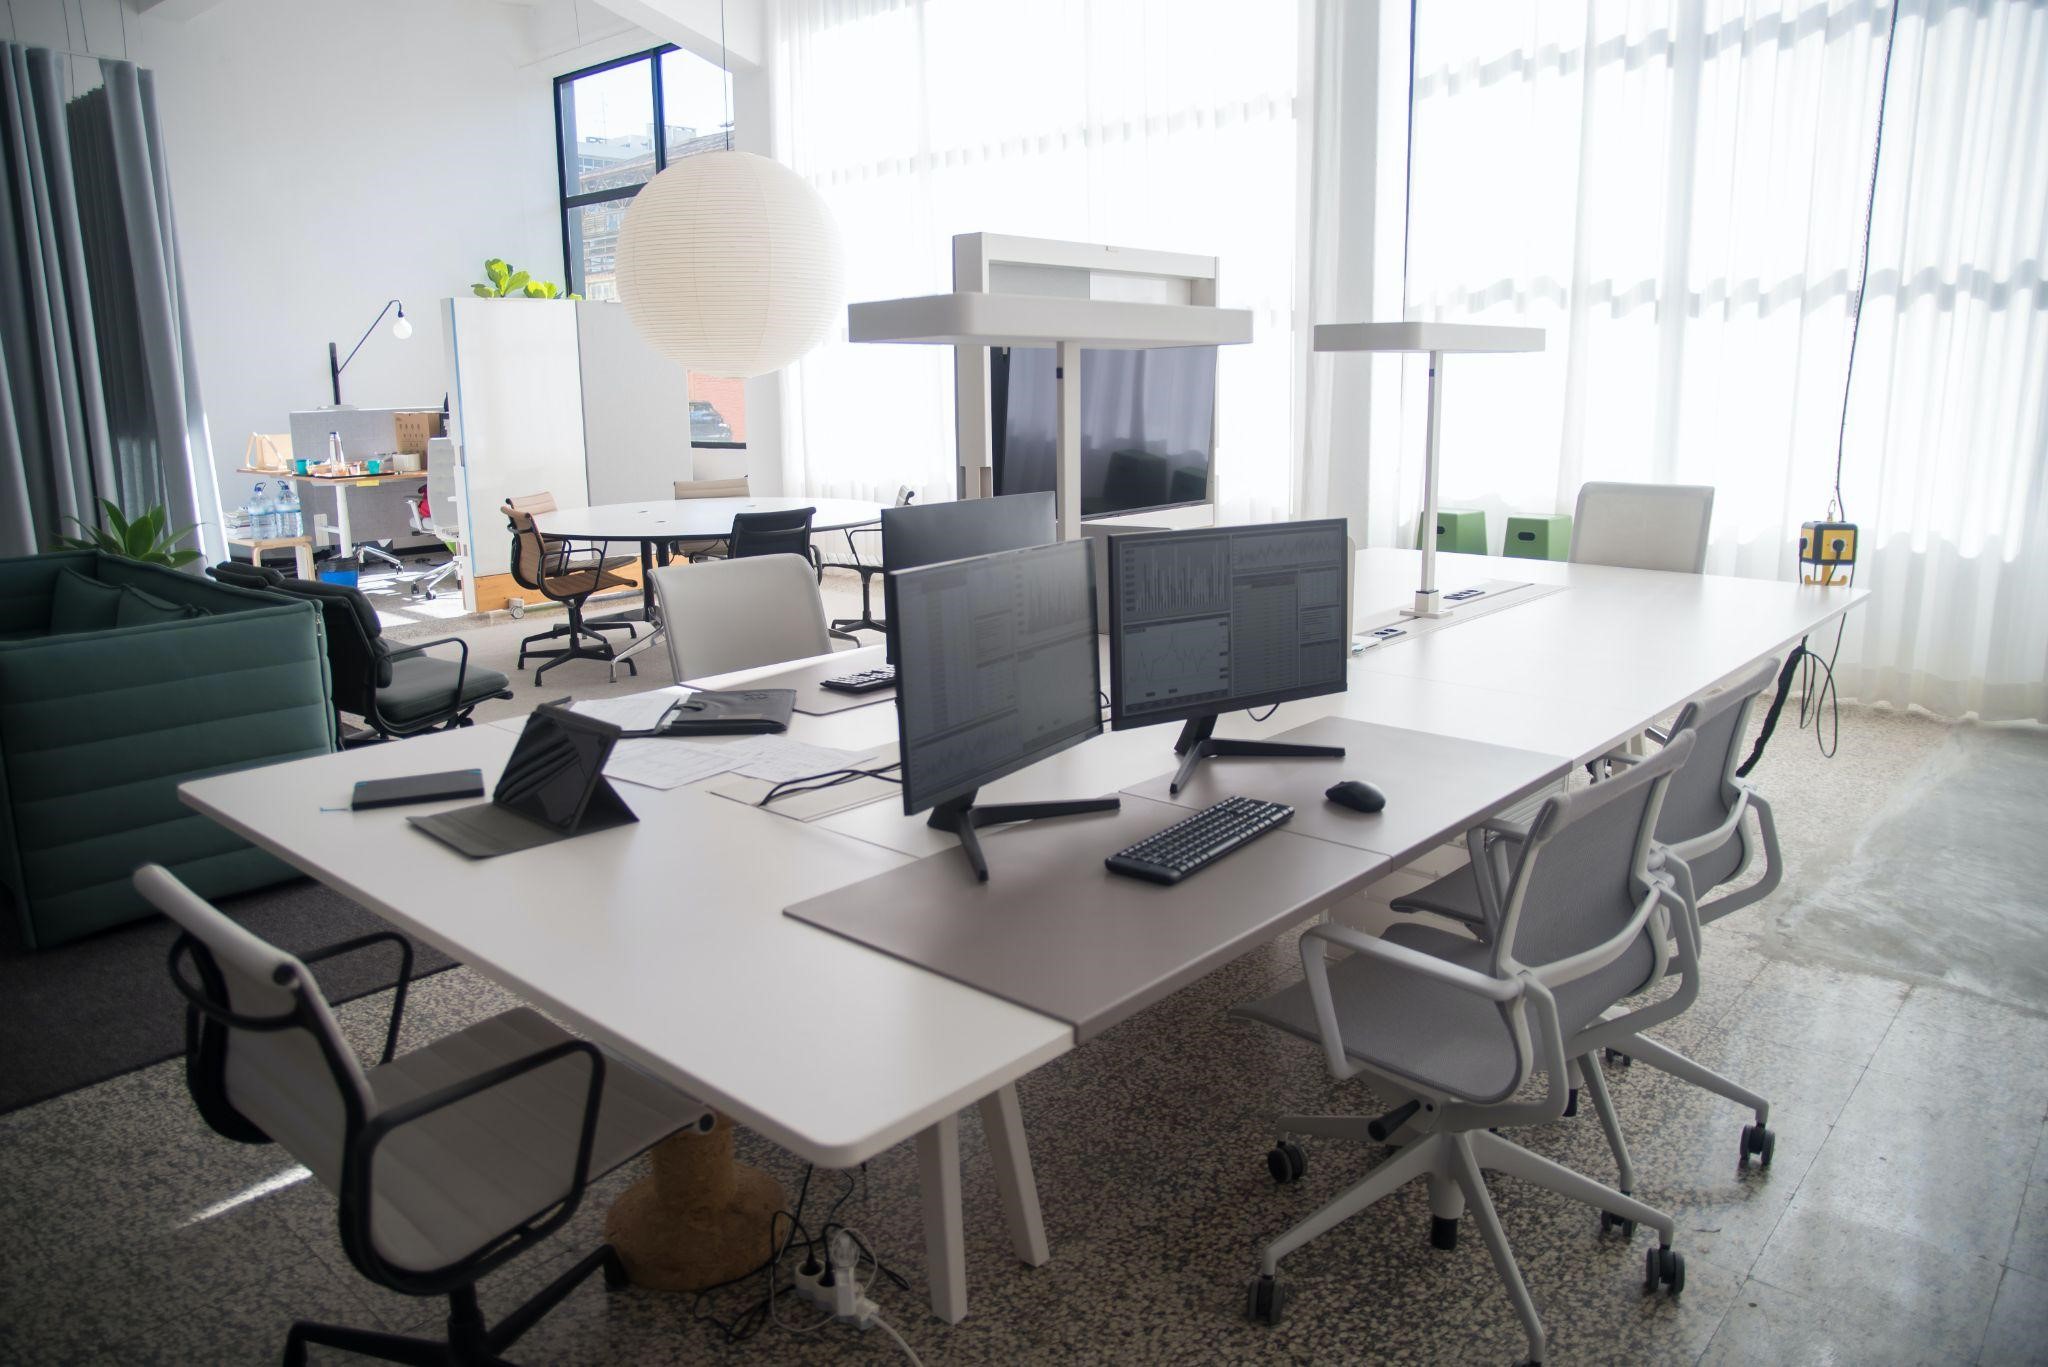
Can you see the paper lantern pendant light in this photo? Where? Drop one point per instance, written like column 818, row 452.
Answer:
column 730, row 263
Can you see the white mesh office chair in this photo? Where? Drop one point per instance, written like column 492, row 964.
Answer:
column 1452, row 1028
column 1703, row 829
column 863, row 555
column 446, row 1162
column 1643, row 526
column 723, row 615
column 433, row 514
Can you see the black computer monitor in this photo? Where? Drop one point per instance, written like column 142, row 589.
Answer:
column 932, row 533
column 996, row 669
column 1214, row 619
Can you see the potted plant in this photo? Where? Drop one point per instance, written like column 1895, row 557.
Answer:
column 502, row 282
column 146, row 539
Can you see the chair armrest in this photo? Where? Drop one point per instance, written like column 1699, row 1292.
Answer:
column 379, row 1127
column 335, row 951
column 461, row 666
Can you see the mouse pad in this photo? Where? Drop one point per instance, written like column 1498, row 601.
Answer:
column 1436, row 786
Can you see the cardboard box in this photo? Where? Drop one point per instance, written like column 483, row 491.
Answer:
column 416, row 427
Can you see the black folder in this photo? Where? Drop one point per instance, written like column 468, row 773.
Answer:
column 746, row 712
column 553, row 788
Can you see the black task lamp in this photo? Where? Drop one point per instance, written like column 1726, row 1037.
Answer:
column 401, row 328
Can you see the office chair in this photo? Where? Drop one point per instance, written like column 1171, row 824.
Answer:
column 1643, row 526
column 400, row 692
column 704, row 548
column 556, row 569
column 433, row 514
column 1451, row 1028
column 1702, row 832
column 740, row 613
column 446, row 1162
column 778, row 533
column 864, row 557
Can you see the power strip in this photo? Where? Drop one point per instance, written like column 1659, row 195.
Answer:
column 841, row 1295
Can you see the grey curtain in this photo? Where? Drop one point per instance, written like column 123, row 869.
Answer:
column 99, row 397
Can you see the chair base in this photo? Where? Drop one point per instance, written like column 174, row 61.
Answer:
column 577, row 632
column 1454, row 1165
column 867, row 621
column 469, row 1342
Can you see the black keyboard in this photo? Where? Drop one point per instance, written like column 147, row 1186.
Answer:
column 866, row 681
column 1192, row 845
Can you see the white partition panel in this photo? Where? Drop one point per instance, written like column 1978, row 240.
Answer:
column 516, row 403
column 636, row 409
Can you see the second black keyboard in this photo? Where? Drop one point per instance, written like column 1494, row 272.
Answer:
column 1189, row 846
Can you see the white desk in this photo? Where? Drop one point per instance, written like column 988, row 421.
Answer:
column 666, row 941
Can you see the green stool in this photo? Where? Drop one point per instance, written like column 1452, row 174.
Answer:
column 1457, row 529
column 1539, row 538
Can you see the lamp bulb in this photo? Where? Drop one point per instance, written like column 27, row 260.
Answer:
column 402, row 329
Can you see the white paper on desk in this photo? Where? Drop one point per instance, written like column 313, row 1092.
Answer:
column 660, row 762
column 778, row 758
column 634, row 711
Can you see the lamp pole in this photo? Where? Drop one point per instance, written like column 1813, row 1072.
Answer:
column 400, row 329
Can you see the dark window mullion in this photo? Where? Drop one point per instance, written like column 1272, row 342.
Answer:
column 604, row 195
column 660, row 117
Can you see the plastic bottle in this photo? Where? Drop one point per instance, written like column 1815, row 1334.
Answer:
column 337, row 463
column 262, row 514
column 289, row 521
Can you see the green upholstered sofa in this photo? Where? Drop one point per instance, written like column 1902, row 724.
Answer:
column 118, row 682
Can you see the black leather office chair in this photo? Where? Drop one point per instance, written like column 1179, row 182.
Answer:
column 400, row 692
column 782, row 533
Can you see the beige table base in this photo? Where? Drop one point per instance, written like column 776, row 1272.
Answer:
column 699, row 1218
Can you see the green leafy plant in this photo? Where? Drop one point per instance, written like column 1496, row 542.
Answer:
column 147, row 538
column 502, row 282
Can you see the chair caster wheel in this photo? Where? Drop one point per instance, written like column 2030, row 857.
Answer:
column 615, row 1272
column 1758, row 1141
column 1264, row 1300
column 1443, row 1233
column 1615, row 1058
column 1609, row 1220
column 1571, row 1102
column 1286, row 1161
column 1665, row 1268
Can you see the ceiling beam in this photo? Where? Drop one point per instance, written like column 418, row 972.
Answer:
column 694, row 25
column 176, row 11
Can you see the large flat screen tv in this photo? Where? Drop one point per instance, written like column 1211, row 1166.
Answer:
column 1148, row 425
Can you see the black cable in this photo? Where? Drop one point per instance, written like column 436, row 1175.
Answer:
column 1884, row 90
column 1269, row 712
column 831, row 778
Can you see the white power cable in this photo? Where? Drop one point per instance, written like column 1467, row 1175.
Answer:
column 890, row 1330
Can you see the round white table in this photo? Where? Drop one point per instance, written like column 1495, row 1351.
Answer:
column 657, row 522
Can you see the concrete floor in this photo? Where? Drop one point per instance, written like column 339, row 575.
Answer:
column 1904, row 1220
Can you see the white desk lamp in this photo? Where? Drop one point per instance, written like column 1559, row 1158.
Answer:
column 1435, row 339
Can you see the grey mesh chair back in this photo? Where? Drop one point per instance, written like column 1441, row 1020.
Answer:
column 1580, row 879
column 296, row 1080
column 1643, row 526
column 712, row 488
column 1701, row 821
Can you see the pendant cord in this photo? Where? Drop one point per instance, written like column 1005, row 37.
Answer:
column 725, row 74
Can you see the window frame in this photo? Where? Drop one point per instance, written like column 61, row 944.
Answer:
column 571, row 203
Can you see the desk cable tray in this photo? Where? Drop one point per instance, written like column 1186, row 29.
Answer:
column 1487, row 596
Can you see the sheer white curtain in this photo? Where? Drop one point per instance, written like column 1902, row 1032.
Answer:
column 1162, row 124
column 1676, row 191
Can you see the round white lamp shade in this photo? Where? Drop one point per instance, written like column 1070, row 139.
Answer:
column 731, row 264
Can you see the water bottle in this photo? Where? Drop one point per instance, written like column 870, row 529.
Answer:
column 290, row 522
column 262, row 519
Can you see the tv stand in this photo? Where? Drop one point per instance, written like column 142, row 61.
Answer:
column 962, row 817
column 1195, row 745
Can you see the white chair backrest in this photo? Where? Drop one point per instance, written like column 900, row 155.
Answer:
column 280, row 1080
column 724, row 615
column 1643, row 526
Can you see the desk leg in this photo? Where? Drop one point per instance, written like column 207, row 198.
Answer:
column 302, row 558
column 1003, row 1121
column 343, row 543
column 938, row 1180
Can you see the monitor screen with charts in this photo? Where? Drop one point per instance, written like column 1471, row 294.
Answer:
column 995, row 667
column 931, row 533
column 1214, row 619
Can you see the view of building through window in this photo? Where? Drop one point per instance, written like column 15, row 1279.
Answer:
column 617, row 126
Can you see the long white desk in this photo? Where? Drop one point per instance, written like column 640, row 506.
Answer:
column 666, row 940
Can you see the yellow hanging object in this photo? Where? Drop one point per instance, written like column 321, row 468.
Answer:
column 1827, row 552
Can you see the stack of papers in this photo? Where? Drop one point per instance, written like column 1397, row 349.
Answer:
column 633, row 712
column 670, row 762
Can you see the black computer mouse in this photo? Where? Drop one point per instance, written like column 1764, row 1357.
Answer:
column 1356, row 794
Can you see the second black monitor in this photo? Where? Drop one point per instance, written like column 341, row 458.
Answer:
column 1215, row 619
column 934, row 533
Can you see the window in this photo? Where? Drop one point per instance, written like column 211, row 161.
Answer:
column 616, row 127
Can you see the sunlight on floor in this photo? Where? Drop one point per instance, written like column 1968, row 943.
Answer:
column 291, row 1176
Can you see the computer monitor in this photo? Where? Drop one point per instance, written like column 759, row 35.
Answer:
column 996, row 670
column 1214, row 619
column 932, row 533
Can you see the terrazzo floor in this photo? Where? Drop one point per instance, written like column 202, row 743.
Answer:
column 1904, row 1220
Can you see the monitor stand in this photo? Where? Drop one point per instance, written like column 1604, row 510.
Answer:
column 962, row 817
column 1195, row 745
